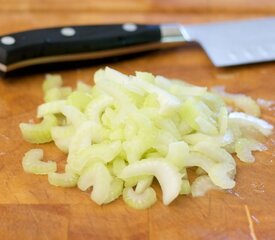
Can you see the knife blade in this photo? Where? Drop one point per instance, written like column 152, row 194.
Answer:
column 226, row 43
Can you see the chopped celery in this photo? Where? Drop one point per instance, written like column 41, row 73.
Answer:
column 139, row 200
column 32, row 163
column 40, row 132
column 79, row 99
column 201, row 185
column 244, row 148
column 57, row 93
column 52, row 81
column 167, row 175
column 66, row 179
column 125, row 130
column 98, row 177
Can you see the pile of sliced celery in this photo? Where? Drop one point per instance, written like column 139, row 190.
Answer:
column 126, row 131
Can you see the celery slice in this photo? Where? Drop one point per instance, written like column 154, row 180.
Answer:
column 73, row 115
column 116, row 189
column 98, row 177
column 52, row 81
column 67, row 179
column 244, row 148
column 57, row 93
column 62, row 136
column 143, row 184
column 185, row 187
column 167, row 175
column 41, row 132
column 32, row 163
column 79, row 99
column 139, row 200
column 202, row 185
column 50, row 108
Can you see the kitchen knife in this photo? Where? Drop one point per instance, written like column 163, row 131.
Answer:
column 226, row 43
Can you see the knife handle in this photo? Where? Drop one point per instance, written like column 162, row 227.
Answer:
column 74, row 43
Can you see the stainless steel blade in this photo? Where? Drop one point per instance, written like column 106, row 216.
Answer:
column 236, row 42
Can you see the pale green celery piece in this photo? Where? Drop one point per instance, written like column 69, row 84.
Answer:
column 213, row 101
column 62, row 136
column 241, row 101
column 139, row 200
column 189, row 112
column 40, row 132
column 222, row 175
column 247, row 121
column 50, row 108
column 116, row 189
column 162, row 141
column 214, row 152
column 205, row 126
column 73, row 115
column 169, row 126
column 185, row 187
column 98, row 177
column 220, row 140
column 103, row 152
column 144, row 184
column 82, row 139
column 168, row 102
column 137, row 146
column 57, row 93
column 203, row 108
column 107, row 117
column 52, row 81
column 118, row 165
column 152, row 154
column 244, row 148
column 79, row 99
column 177, row 152
column 222, row 120
column 202, row 185
column 97, row 106
column 123, row 80
column 83, row 87
column 32, row 163
column 67, row 179
column 167, row 175
column 183, row 92
column 151, row 101
column 119, row 94
column 198, row 160
column 148, row 77
column 132, row 181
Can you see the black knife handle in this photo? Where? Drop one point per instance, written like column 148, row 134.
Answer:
column 70, row 43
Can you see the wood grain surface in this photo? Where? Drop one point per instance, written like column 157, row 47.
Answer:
column 30, row 208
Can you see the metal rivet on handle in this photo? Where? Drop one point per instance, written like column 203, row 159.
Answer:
column 8, row 40
column 68, row 32
column 129, row 27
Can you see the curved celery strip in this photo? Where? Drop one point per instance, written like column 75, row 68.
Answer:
column 32, row 163
column 79, row 99
column 98, row 177
column 67, row 179
column 50, row 108
column 118, row 165
column 247, row 121
column 167, row 175
column 62, row 136
column 40, row 132
column 201, row 185
column 52, row 81
column 139, row 200
column 244, row 148
column 116, row 189
column 73, row 115
column 57, row 93
column 177, row 152
column 143, row 184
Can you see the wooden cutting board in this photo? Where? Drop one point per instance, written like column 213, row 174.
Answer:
column 30, row 208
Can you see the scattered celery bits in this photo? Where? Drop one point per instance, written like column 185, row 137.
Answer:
column 125, row 131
